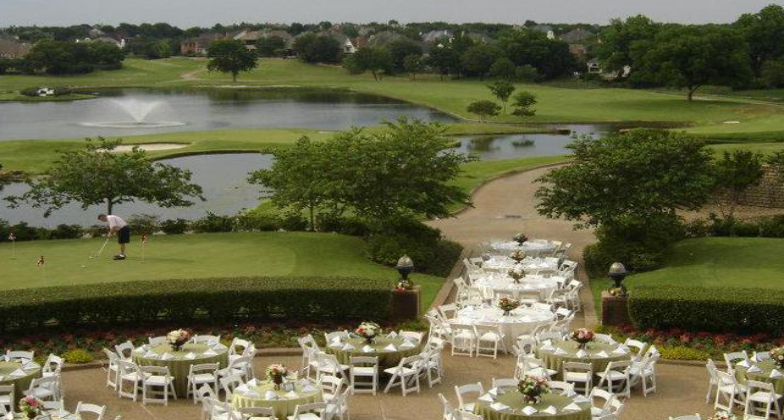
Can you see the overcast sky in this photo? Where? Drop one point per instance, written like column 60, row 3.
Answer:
column 207, row 12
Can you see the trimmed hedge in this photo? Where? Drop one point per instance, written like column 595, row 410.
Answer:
column 183, row 301
column 708, row 309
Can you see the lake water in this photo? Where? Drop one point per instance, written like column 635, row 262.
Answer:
column 193, row 110
column 222, row 177
column 510, row 146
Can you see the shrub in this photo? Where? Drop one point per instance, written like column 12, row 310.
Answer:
column 423, row 244
column 63, row 231
column 683, row 353
column 213, row 223
column 190, row 301
column 345, row 225
column 144, row 223
column 708, row 309
column 174, row 227
column 77, row 356
column 253, row 221
column 293, row 222
column 746, row 229
column 446, row 256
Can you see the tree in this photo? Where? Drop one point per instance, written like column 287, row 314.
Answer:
column 231, row 56
column 502, row 91
column 477, row 60
column 503, row 68
column 523, row 104
column 685, row 57
column 313, row 48
column 763, row 33
column 637, row 175
column 375, row 60
column 295, row 178
column 444, row 59
column 528, row 47
column 406, row 170
column 483, row 109
column 620, row 38
column 773, row 73
column 399, row 50
column 270, row 46
column 95, row 175
column 413, row 64
column 734, row 174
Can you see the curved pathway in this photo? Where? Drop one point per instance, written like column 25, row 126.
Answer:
column 506, row 206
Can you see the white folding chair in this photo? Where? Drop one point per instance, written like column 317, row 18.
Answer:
column 405, row 372
column 365, row 368
column 157, row 341
column 337, row 408
column 731, row 358
column 463, row 340
column 564, row 388
column 728, row 393
column 313, row 411
column 413, row 336
column 111, row 368
column 45, row 389
column 505, row 383
column 128, row 372
column 616, row 378
column 124, row 351
column 336, row 335
column 97, row 411
column 157, row 380
column 242, row 366
column 761, row 398
column 229, row 384
column 204, row 374
column 578, row 373
column 691, row 417
column 448, row 412
column 432, row 365
column 7, row 397
column 205, row 394
column 713, row 379
column 206, row 339
column 471, row 390
column 638, row 346
column 256, row 413
column 644, row 373
column 19, row 356
column 488, row 339
column 602, row 409
column 604, row 338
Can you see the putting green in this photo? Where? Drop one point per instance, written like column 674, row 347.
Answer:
column 194, row 256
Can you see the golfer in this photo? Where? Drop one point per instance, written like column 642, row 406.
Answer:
column 117, row 226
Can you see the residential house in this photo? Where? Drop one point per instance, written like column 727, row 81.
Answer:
column 434, row 36
column 577, row 36
column 384, row 39
column 547, row 29
column 579, row 50
column 11, row 48
column 249, row 38
column 479, row 37
column 199, row 45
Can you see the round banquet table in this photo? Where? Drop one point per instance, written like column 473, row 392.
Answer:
column 21, row 382
column 515, row 401
column 536, row 246
column 306, row 391
column 56, row 415
column 504, row 263
column 521, row 321
column 386, row 358
column 767, row 366
column 599, row 362
column 491, row 284
column 180, row 366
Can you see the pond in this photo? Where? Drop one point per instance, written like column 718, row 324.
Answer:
column 510, row 146
column 222, row 177
column 123, row 112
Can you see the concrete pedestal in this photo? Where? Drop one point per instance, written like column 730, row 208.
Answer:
column 406, row 304
column 615, row 310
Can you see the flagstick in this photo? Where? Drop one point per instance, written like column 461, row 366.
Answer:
column 143, row 247
column 13, row 250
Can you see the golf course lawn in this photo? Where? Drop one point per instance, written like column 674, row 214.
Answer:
column 714, row 263
column 198, row 256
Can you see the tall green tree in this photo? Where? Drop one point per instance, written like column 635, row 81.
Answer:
column 523, row 104
column 231, row 56
column 399, row 50
column 478, row 59
column 734, row 173
column 97, row 175
column 312, row 48
column 689, row 57
column 502, row 90
column 620, row 38
column 641, row 174
column 551, row 58
column 375, row 60
column 483, row 109
column 763, row 32
column 270, row 46
column 414, row 64
column 504, row 69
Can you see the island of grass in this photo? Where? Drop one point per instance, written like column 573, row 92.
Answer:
column 198, row 256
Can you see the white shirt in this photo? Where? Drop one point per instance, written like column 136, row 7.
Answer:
column 115, row 222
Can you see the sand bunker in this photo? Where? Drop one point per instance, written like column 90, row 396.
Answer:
column 152, row 147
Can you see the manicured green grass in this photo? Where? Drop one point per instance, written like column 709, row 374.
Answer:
column 476, row 173
column 198, row 256
column 715, row 263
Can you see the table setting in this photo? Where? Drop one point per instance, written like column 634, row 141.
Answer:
column 491, row 283
column 19, row 374
column 530, row 246
column 767, row 370
column 532, row 398
column 519, row 320
column 179, row 355
column 368, row 341
column 527, row 263
column 282, row 391
column 581, row 347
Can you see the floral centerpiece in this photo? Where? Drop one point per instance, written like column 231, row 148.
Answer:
column 518, row 256
column 582, row 336
column 508, row 305
column 178, row 338
column 520, row 238
column 533, row 388
column 516, row 273
column 368, row 331
column 722, row 415
column 777, row 354
column 31, row 407
column 277, row 373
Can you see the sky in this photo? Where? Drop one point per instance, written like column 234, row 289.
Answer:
column 186, row 13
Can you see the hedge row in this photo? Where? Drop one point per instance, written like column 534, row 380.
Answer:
column 719, row 310
column 183, row 301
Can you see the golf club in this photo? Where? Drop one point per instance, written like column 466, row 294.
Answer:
column 100, row 251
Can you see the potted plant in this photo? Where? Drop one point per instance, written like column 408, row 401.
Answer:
column 533, row 388
column 31, row 407
column 277, row 374
column 508, row 305
column 516, row 273
column 520, row 238
column 582, row 336
column 178, row 338
column 777, row 354
column 368, row 331
column 517, row 256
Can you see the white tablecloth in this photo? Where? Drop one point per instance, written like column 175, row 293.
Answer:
column 501, row 263
column 491, row 283
column 521, row 321
column 534, row 247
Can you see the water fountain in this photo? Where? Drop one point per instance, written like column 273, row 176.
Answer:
column 138, row 110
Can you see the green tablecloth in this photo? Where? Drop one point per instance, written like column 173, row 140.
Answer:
column 21, row 383
column 554, row 361
column 386, row 358
column 767, row 366
column 516, row 402
column 284, row 406
column 179, row 366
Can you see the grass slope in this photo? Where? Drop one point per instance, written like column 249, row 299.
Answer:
column 198, row 256
column 714, row 262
